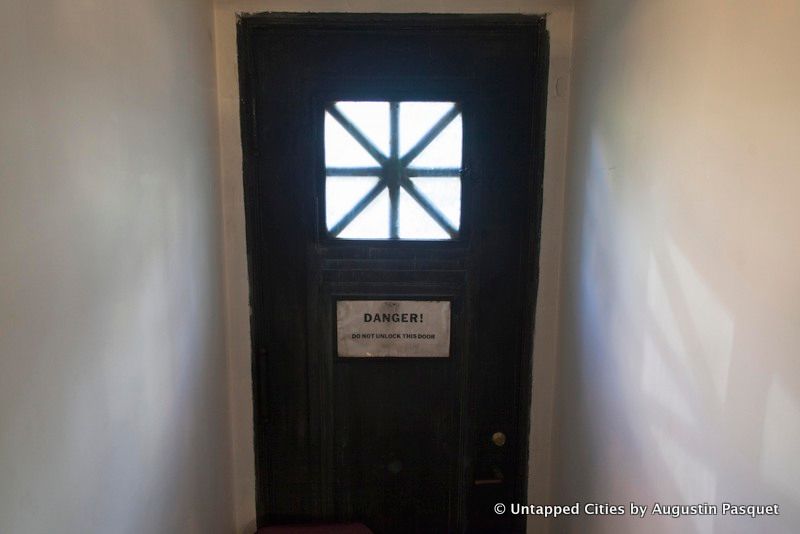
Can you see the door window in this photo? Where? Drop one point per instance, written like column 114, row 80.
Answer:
column 393, row 170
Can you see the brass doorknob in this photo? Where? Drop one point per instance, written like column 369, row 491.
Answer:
column 499, row 439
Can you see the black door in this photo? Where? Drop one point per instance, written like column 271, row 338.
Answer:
column 392, row 168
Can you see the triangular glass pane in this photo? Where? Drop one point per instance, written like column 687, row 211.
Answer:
column 445, row 195
column 417, row 119
column 372, row 223
column 444, row 150
column 341, row 149
column 342, row 193
column 415, row 223
column 371, row 119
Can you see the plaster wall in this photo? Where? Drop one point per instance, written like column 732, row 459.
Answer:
column 113, row 380
column 680, row 377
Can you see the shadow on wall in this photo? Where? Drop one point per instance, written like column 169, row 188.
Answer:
column 687, row 398
column 679, row 380
column 680, row 397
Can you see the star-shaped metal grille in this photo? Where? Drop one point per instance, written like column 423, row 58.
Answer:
column 394, row 171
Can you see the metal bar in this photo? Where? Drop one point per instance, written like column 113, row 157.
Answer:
column 357, row 135
column 429, row 208
column 357, row 209
column 434, row 173
column 394, row 126
column 354, row 171
column 394, row 206
column 431, row 135
column 394, row 169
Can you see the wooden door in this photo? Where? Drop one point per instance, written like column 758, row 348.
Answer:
column 392, row 164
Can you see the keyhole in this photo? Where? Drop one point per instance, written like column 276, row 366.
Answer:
column 394, row 467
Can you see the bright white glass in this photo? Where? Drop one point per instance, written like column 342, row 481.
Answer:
column 341, row 149
column 444, row 150
column 444, row 193
column 416, row 119
column 344, row 192
column 415, row 223
column 371, row 119
column 372, row 223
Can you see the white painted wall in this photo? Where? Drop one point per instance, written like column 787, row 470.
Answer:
column 680, row 333
column 113, row 405
column 560, row 26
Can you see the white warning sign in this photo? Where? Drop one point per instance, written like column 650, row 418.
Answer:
column 393, row 328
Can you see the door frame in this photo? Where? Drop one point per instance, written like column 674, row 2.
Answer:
column 249, row 23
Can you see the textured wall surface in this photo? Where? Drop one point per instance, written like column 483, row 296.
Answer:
column 680, row 376
column 113, row 388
